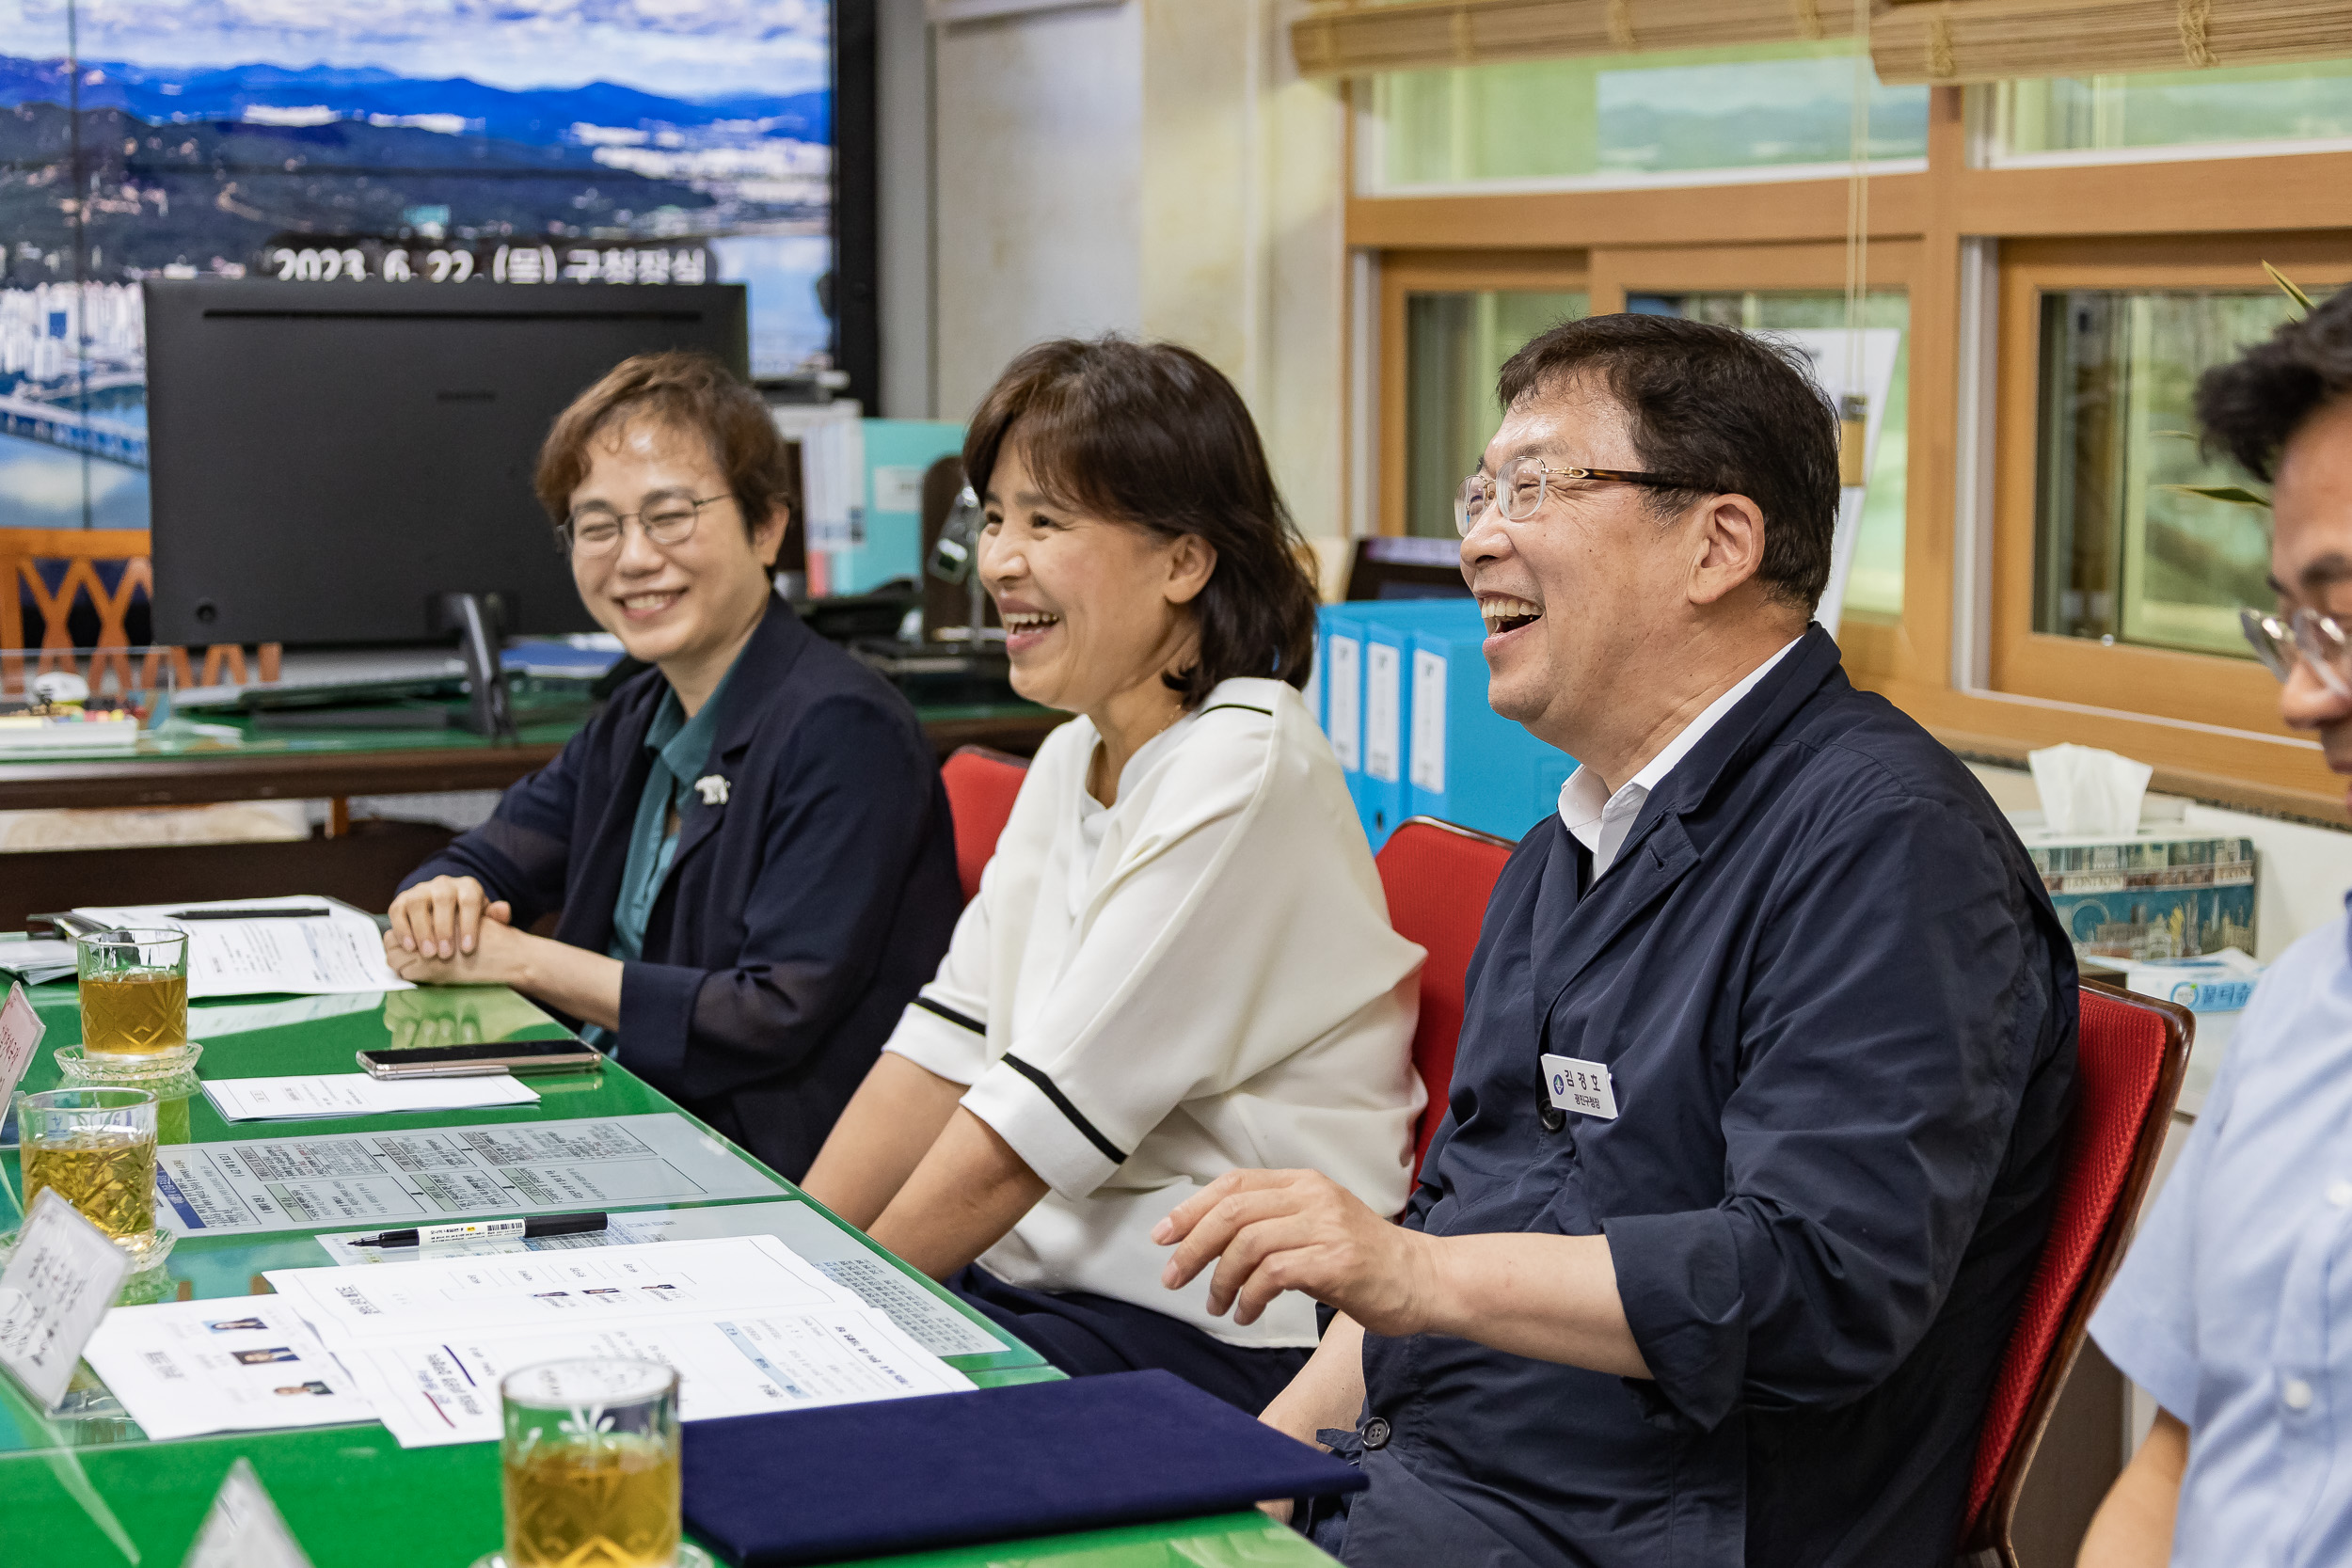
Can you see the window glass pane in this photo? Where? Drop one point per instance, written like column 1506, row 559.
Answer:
column 2103, row 114
column 1631, row 119
column 2121, row 553
column 1454, row 346
column 1874, row 587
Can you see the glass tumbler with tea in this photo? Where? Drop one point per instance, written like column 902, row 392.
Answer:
column 97, row 1148
column 135, row 993
column 590, row 1460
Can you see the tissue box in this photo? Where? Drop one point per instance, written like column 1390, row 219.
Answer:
column 2221, row 984
column 2151, row 896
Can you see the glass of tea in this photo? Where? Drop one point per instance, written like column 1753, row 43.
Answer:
column 97, row 1148
column 590, row 1458
column 135, row 993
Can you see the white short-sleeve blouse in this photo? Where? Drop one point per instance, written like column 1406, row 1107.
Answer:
column 1201, row 977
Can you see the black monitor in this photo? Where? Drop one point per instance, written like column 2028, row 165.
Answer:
column 328, row 460
column 1398, row 567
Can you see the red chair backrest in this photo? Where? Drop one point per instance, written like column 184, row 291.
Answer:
column 2131, row 1057
column 981, row 786
column 1438, row 877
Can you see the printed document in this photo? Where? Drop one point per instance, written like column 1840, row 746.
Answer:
column 445, row 1173
column 338, row 951
column 748, row 1323
column 839, row 1255
column 356, row 1094
column 543, row 1291
column 237, row 1364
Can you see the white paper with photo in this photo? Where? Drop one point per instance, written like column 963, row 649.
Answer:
column 551, row 1290
column 314, row 1096
column 437, row 1389
column 340, row 950
column 238, row 1363
column 840, row 1255
column 434, row 1174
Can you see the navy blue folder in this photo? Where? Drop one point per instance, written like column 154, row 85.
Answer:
column 995, row 1464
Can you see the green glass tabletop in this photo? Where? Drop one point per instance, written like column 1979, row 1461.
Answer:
column 542, row 718
column 86, row 1487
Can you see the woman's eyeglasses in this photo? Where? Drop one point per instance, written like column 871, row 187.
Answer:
column 2319, row 640
column 1520, row 488
column 667, row 519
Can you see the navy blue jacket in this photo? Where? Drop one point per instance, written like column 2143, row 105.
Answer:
column 798, row 918
column 1840, row 1014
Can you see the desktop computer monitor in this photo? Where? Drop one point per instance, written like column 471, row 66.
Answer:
column 328, row 460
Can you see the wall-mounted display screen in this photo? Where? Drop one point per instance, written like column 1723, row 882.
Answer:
column 424, row 142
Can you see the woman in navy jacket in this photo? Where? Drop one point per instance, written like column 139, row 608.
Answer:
column 750, row 847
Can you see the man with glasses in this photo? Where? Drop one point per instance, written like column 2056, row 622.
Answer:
column 1768, row 1047
column 2231, row 1304
column 750, row 847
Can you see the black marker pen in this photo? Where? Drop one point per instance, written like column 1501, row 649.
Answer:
column 487, row 1231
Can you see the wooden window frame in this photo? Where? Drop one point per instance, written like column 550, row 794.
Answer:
column 2190, row 688
column 2214, row 207
column 1867, row 641
column 1445, row 272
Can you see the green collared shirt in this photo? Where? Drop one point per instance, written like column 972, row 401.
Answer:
column 681, row 753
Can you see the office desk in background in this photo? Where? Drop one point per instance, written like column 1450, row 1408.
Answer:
column 358, row 862
column 354, row 1497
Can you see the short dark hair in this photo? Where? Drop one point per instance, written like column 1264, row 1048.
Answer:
column 2253, row 406
column 1723, row 410
column 1154, row 435
column 691, row 393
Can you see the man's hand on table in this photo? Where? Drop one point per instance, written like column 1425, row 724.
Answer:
column 1269, row 1231
column 1550, row 1297
column 443, row 918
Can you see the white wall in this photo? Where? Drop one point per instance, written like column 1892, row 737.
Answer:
column 1244, row 254
column 902, row 94
column 1155, row 168
column 1038, row 142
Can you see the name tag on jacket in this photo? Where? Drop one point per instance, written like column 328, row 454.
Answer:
column 1581, row 1086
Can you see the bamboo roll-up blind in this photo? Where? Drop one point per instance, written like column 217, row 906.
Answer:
column 1944, row 41
column 1350, row 38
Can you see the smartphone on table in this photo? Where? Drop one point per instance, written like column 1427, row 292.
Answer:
column 479, row 1058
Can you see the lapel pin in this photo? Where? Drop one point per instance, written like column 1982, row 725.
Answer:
column 713, row 789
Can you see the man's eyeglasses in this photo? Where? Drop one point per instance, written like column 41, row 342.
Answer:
column 1521, row 487
column 667, row 519
column 2319, row 640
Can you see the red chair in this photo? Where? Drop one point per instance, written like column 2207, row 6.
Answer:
column 1438, row 877
column 2133, row 1052
column 981, row 786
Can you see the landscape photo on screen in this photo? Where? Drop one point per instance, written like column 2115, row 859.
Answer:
column 439, row 143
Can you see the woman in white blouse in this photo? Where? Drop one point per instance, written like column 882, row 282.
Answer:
column 1180, row 961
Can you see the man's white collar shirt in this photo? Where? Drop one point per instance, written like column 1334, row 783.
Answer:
column 1600, row 823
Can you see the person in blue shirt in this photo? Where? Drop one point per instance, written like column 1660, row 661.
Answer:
column 2231, row 1307
column 1768, row 1053
column 750, row 845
